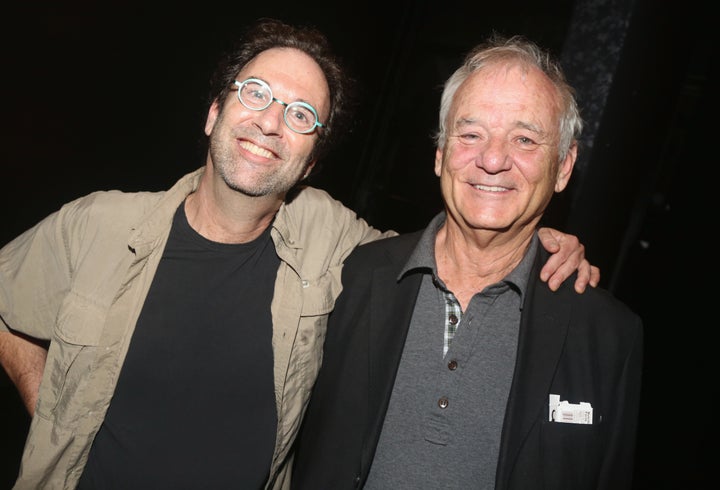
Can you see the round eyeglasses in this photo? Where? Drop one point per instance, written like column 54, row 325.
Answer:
column 256, row 95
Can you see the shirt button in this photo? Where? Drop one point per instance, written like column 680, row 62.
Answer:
column 452, row 365
column 453, row 319
column 305, row 283
column 443, row 402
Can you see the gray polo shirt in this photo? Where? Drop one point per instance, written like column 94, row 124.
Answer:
column 444, row 421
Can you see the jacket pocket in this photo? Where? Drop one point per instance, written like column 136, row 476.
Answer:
column 319, row 294
column 70, row 362
column 319, row 297
column 571, row 454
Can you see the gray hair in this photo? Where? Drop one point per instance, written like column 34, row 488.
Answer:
column 515, row 49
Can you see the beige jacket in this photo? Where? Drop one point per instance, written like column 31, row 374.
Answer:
column 79, row 279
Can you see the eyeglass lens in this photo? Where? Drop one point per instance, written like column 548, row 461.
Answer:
column 256, row 95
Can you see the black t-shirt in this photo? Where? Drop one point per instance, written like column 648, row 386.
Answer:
column 194, row 407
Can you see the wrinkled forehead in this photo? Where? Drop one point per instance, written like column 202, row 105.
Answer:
column 510, row 86
column 511, row 75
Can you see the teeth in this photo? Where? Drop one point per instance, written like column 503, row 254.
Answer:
column 490, row 188
column 256, row 150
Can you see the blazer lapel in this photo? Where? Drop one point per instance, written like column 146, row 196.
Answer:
column 391, row 305
column 543, row 329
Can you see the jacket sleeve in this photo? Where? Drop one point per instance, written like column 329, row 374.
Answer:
column 34, row 277
column 617, row 470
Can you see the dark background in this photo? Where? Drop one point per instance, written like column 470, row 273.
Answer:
column 110, row 95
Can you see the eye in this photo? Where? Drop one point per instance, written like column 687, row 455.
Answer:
column 300, row 117
column 469, row 138
column 300, row 114
column 525, row 141
column 255, row 92
column 258, row 94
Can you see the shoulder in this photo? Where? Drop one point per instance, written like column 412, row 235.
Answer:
column 596, row 307
column 314, row 214
column 313, row 219
column 110, row 207
column 307, row 205
column 107, row 219
column 595, row 300
column 305, row 199
column 386, row 251
column 598, row 315
column 129, row 207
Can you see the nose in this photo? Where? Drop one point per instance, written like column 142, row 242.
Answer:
column 271, row 119
column 494, row 156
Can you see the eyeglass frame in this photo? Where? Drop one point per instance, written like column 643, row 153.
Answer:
column 286, row 105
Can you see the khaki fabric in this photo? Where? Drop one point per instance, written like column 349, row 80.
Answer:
column 79, row 279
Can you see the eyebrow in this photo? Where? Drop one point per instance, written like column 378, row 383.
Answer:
column 465, row 122
column 269, row 85
column 531, row 127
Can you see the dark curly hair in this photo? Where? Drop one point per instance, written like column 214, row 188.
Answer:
column 271, row 33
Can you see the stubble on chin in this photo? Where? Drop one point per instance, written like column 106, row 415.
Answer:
column 247, row 178
column 251, row 180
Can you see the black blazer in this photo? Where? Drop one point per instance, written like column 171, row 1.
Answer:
column 586, row 347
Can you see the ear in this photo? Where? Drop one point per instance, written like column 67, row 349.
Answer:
column 309, row 168
column 438, row 161
column 565, row 169
column 211, row 117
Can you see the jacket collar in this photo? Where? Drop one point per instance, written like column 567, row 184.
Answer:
column 154, row 226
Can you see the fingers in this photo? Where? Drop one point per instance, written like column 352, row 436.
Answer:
column 568, row 255
column 559, row 268
column 587, row 274
column 548, row 239
column 583, row 276
column 594, row 276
